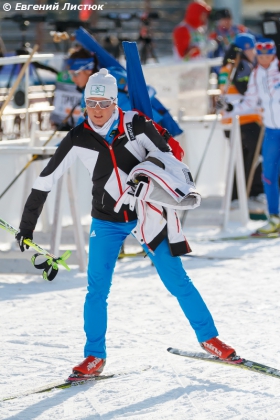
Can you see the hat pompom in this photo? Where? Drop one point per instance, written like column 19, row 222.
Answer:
column 103, row 72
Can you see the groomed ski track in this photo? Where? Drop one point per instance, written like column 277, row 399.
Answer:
column 42, row 338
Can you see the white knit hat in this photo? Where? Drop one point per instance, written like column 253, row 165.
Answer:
column 101, row 84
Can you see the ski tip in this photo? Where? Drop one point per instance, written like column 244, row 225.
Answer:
column 265, row 235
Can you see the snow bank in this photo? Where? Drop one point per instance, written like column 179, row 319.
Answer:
column 42, row 338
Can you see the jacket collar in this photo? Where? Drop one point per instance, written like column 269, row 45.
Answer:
column 120, row 126
column 274, row 65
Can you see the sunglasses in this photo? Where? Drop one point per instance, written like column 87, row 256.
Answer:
column 264, row 45
column 75, row 73
column 105, row 103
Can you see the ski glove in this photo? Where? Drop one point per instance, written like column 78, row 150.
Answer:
column 229, row 107
column 21, row 235
column 222, row 104
column 134, row 184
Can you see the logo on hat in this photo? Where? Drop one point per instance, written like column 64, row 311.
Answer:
column 97, row 90
column 247, row 46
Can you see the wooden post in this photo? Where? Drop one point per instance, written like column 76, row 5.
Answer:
column 29, row 174
column 17, row 82
column 240, row 178
column 255, row 160
column 57, row 221
column 235, row 161
column 230, row 174
column 77, row 225
column 27, row 122
column 57, row 217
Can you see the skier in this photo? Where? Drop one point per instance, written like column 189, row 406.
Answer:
column 110, row 149
column 146, row 40
column 250, row 119
column 264, row 87
column 81, row 65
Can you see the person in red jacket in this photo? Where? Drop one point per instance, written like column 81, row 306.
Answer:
column 189, row 37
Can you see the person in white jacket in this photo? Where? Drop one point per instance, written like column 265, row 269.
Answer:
column 264, row 90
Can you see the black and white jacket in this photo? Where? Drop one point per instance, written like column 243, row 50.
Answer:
column 157, row 188
column 108, row 166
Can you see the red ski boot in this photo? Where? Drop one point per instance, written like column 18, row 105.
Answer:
column 90, row 367
column 217, row 348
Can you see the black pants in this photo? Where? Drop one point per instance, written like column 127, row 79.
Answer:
column 249, row 138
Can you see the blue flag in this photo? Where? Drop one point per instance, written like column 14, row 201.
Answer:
column 137, row 88
column 89, row 43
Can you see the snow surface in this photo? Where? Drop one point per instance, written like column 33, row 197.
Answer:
column 42, row 338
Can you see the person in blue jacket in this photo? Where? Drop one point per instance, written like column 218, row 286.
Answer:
column 81, row 65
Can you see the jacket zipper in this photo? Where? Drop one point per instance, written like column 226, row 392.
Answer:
column 113, row 157
column 142, row 230
column 177, row 221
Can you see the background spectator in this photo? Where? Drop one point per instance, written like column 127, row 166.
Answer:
column 189, row 37
column 225, row 31
column 250, row 118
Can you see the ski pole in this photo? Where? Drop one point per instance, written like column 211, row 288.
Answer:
column 50, row 266
column 227, row 85
column 34, row 157
column 207, row 145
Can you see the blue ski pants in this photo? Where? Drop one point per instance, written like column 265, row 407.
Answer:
column 271, row 166
column 106, row 239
